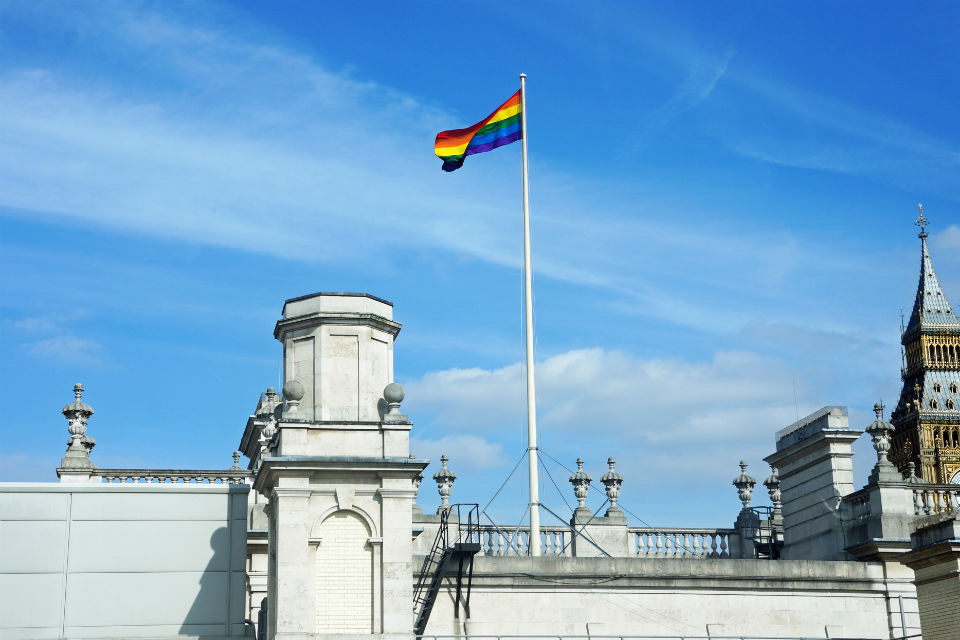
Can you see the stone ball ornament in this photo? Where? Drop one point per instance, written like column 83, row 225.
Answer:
column 393, row 393
column 293, row 390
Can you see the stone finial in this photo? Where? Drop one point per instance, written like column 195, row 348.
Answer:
column 581, row 485
column 912, row 477
column 79, row 445
column 393, row 395
column 444, row 479
column 293, row 392
column 773, row 488
column 744, row 484
column 269, row 403
column 612, row 481
column 880, row 431
column 236, row 460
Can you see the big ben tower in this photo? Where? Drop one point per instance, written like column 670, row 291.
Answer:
column 927, row 417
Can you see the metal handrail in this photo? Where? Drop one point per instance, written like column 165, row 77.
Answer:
column 431, row 572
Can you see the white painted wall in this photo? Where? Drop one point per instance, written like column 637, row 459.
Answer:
column 661, row 596
column 122, row 561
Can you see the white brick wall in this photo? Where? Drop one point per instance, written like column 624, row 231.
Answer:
column 344, row 576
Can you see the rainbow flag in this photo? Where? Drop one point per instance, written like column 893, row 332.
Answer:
column 501, row 127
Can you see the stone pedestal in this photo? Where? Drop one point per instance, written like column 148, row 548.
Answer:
column 608, row 533
column 814, row 457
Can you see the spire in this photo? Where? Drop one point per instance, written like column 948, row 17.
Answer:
column 931, row 310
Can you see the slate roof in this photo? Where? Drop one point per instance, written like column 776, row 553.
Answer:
column 935, row 386
column 931, row 310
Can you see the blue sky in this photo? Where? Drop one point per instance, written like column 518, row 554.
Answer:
column 723, row 197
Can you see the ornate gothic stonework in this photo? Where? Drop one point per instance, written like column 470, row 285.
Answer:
column 927, row 417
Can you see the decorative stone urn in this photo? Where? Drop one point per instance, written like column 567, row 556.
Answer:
column 79, row 445
column 744, row 484
column 612, row 481
column 444, row 479
column 581, row 486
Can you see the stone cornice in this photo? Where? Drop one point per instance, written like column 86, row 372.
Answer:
column 397, row 493
column 342, row 318
column 803, row 447
column 299, row 466
column 932, row 555
column 340, row 425
column 879, row 549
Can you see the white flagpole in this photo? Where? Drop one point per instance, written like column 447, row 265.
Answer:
column 532, row 452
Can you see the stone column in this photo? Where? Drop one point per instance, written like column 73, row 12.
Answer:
column 397, row 560
column 294, row 608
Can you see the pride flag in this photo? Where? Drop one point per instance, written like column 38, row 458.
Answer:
column 501, row 127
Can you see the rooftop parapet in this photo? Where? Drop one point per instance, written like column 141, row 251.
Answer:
column 827, row 418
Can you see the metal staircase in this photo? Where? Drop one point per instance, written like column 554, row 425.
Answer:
column 457, row 541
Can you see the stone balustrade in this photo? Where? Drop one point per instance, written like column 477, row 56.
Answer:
column 936, row 498
column 508, row 541
column 174, row 476
column 857, row 505
column 645, row 541
column 682, row 542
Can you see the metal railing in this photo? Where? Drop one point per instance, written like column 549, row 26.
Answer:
column 457, row 537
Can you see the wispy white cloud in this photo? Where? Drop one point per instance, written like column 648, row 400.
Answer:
column 37, row 324
column 826, row 133
column 47, row 323
column 700, row 81
column 473, row 452
column 947, row 242
column 67, row 349
column 265, row 158
column 732, row 395
column 656, row 416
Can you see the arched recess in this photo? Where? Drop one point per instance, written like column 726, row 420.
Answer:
column 345, row 574
column 354, row 509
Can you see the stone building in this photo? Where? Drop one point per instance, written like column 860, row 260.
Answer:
column 320, row 535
